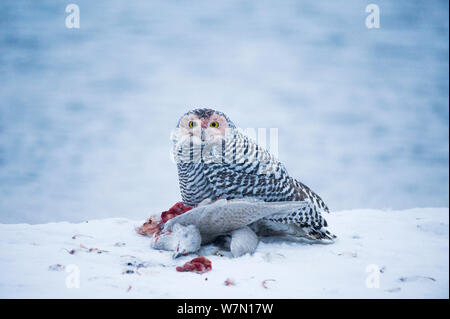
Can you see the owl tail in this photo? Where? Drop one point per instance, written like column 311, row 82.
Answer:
column 293, row 231
column 320, row 234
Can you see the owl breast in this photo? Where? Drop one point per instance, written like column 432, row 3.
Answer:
column 194, row 186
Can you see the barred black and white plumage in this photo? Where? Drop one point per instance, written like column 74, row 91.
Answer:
column 216, row 160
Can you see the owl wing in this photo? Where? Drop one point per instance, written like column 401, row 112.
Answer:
column 251, row 171
column 257, row 174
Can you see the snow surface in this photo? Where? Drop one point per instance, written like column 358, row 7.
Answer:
column 409, row 248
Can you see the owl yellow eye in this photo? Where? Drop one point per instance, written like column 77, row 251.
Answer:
column 214, row 124
column 192, row 124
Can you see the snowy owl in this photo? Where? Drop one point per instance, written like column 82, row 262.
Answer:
column 216, row 160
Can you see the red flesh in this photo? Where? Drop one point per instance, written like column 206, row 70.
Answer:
column 199, row 265
column 152, row 226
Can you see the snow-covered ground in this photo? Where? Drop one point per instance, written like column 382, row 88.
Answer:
column 379, row 254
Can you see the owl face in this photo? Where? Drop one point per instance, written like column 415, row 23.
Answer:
column 203, row 126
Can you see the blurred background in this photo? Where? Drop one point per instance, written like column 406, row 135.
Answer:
column 86, row 114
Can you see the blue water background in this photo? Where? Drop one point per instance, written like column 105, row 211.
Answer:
column 85, row 114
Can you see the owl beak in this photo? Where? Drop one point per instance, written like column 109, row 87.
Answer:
column 203, row 135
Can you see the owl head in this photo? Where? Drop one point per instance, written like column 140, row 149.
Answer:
column 203, row 126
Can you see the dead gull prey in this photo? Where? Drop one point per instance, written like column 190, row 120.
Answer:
column 186, row 233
